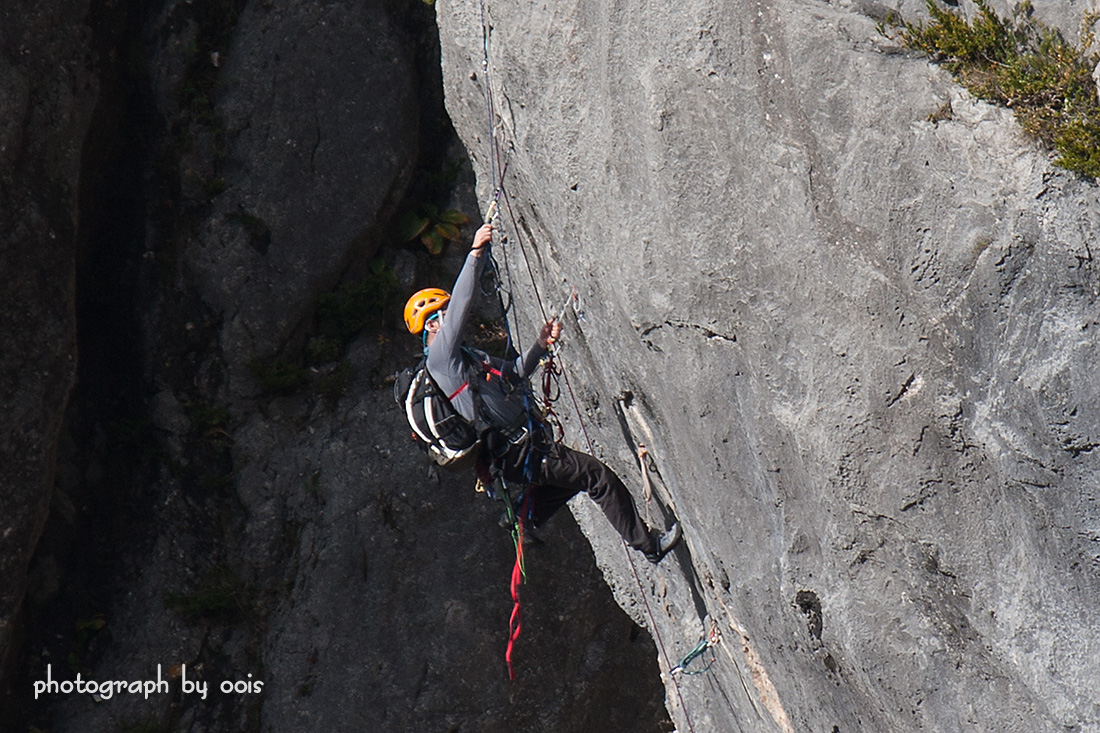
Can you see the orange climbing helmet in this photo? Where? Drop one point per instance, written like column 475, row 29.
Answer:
column 423, row 304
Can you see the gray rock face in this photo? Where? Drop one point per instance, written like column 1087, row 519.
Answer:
column 47, row 98
column 319, row 107
column 859, row 344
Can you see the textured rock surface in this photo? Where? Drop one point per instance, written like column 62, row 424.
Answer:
column 327, row 160
column 859, row 343
column 246, row 157
column 47, row 97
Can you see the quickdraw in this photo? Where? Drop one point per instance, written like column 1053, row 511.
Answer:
column 551, row 378
column 710, row 640
column 551, row 391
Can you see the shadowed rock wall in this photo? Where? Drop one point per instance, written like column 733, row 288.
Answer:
column 47, row 96
column 860, row 345
column 241, row 160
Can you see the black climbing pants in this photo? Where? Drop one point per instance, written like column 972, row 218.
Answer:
column 560, row 473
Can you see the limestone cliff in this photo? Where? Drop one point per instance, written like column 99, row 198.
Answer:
column 850, row 311
column 858, row 337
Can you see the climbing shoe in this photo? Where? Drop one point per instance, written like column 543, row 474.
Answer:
column 662, row 543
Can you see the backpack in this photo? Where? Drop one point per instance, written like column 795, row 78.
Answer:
column 451, row 440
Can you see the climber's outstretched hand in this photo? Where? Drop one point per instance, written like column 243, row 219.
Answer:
column 482, row 237
column 551, row 331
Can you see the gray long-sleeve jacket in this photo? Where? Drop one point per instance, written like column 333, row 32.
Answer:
column 453, row 367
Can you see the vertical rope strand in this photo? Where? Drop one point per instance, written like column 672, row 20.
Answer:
column 501, row 193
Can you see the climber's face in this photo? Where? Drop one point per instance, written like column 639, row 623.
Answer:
column 435, row 320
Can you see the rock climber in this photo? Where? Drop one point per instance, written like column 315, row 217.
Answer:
column 520, row 446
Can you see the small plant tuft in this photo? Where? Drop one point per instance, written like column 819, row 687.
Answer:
column 208, row 418
column 312, row 485
column 221, row 596
column 434, row 228
column 333, row 384
column 278, row 377
column 351, row 308
column 1023, row 64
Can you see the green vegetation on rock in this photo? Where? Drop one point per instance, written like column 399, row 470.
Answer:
column 1025, row 65
column 351, row 308
column 434, row 228
column 221, row 596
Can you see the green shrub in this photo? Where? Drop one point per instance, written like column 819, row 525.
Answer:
column 1023, row 64
column 334, row 383
column 207, row 416
column 341, row 315
column 434, row 228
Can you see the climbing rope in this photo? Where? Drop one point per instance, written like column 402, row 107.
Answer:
column 551, row 381
column 634, row 570
column 519, row 573
column 551, row 391
column 490, row 107
column 500, row 194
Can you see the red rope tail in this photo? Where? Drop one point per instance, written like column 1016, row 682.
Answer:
column 518, row 574
column 514, row 624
